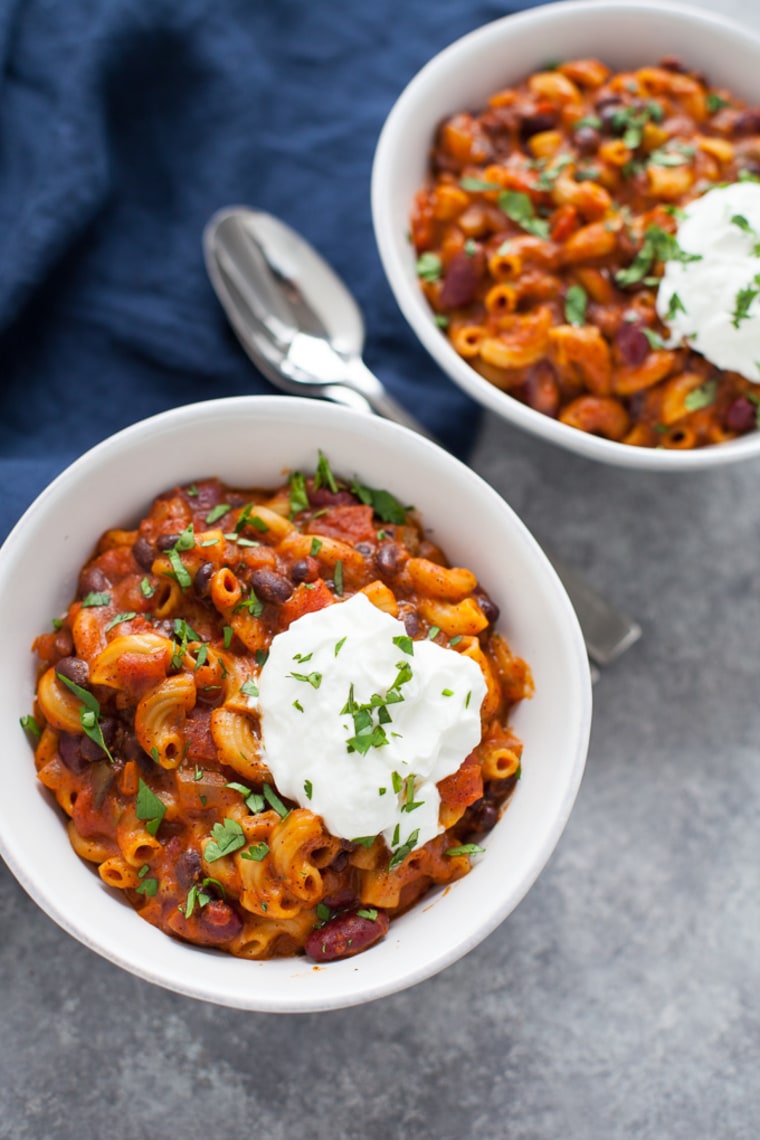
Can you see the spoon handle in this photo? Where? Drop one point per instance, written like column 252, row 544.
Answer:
column 361, row 379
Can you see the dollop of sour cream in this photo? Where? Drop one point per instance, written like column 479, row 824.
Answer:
column 359, row 723
column 714, row 302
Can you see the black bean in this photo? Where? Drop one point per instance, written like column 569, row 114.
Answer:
column 389, row 558
column 270, row 586
column 480, row 819
column 202, row 580
column 490, row 609
column 609, row 115
column 411, row 623
column 75, row 669
column 92, row 580
column 64, row 642
column 305, row 570
column 364, row 549
column 587, row 140
column 167, row 541
column 537, row 122
column 143, row 552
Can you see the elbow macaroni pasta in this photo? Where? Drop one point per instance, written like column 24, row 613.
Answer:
column 149, row 735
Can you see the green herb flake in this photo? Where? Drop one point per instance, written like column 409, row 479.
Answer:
column 148, row 887
column 519, row 208
column 338, row 646
column 308, row 789
column 433, row 632
column 478, row 185
column 368, row 912
column 405, row 644
column 316, row 546
column 148, row 807
column 256, row 852
column 218, row 512
column 299, row 499
column 298, row 706
column 119, row 618
column 274, row 801
column 30, row 725
column 364, row 840
column 95, row 598
column 653, row 338
column 465, row 849
column 447, row 692
column 250, row 688
column 576, row 303
column 226, row 837
column 701, row 397
column 429, row 266
column 147, row 589
column 323, row 477
column 742, row 304
column 401, row 853
column 338, row 578
column 89, row 713
column 716, row 102
column 314, row 679
column 385, row 505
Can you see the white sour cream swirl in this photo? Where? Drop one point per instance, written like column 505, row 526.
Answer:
column 346, row 653
column 715, row 301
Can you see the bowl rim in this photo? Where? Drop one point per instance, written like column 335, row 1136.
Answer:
column 280, row 409
column 395, row 250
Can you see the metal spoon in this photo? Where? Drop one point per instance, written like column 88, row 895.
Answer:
column 303, row 330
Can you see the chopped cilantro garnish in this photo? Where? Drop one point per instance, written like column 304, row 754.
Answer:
column 742, row 304
column 405, row 644
column 429, row 266
column 338, row 578
column 308, row 788
column 576, row 301
column 675, row 305
column 299, row 500
column 218, row 512
column 314, row 679
column 89, row 713
column 148, row 807
column 368, row 912
column 226, row 837
column 465, row 849
column 30, row 725
column 519, row 208
column 385, row 505
column 701, row 397
column 274, row 801
column 256, row 852
column 119, row 618
column 95, row 598
column 401, row 853
column 323, row 477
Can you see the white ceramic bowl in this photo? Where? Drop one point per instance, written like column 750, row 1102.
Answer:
column 250, row 441
column 623, row 34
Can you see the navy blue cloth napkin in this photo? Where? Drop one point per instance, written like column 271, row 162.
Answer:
column 124, row 124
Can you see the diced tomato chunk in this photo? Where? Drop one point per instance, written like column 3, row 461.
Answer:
column 349, row 524
column 305, row 600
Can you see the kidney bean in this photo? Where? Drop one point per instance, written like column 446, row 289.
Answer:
column 341, row 899
column 741, row 415
column 587, row 140
column 64, row 642
column 75, row 669
column 219, row 922
column 345, row 935
column 70, row 753
column 460, row 285
column 271, row 586
column 202, row 579
column 541, row 389
column 324, row 497
column 92, row 580
column 305, row 570
column 748, row 121
column 631, row 343
column 608, row 109
column 411, row 622
column 143, row 552
column 187, row 868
